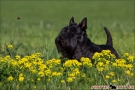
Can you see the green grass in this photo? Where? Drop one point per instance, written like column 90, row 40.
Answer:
column 41, row 21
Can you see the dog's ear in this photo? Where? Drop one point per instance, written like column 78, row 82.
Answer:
column 71, row 21
column 83, row 24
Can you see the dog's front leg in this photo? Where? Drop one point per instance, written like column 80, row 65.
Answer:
column 78, row 53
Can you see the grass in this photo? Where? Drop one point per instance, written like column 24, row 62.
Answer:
column 41, row 21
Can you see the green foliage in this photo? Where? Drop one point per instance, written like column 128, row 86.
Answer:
column 33, row 72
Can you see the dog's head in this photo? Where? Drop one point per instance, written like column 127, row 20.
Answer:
column 70, row 36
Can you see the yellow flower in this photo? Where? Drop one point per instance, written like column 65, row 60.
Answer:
column 59, row 74
column 114, row 64
column 76, row 71
column 106, row 51
column 70, row 63
column 131, row 58
column 27, row 65
column 10, row 46
column 13, row 62
column 47, row 72
column 41, row 73
column 10, row 78
column 38, row 79
column 62, row 81
column 100, row 69
column 129, row 66
column 107, row 76
column 114, row 81
column 71, row 75
column 70, row 79
column 107, row 62
column 17, row 57
column 126, row 54
column 100, row 64
column 112, row 73
column 96, row 55
column 86, row 61
column 21, row 79
column 42, row 67
column 21, row 74
column 33, row 71
column 54, row 73
column 129, row 73
column 89, row 79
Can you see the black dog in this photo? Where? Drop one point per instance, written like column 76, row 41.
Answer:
column 73, row 43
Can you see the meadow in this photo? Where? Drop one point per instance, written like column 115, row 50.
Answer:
column 28, row 55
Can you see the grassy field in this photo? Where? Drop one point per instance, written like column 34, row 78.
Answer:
column 41, row 21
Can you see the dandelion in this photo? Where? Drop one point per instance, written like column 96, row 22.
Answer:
column 129, row 66
column 114, row 64
column 100, row 64
column 47, row 72
column 10, row 46
column 70, row 63
column 58, row 74
column 34, row 87
column 112, row 73
column 13, row 62
column 10, row 78
column 76, row 71
column 107, row 76
column 54, row 73
column 33, row 71
column 131, row 74
column 100, row 69
column 62, row 81
column 89, row 79
column 126, row 54
column 131, row 58
column 128, row 72
column 106, row 51
column 86, row 61
column 71, row 75
column 17, row 57
column 96, row 55
column 27, row 65
column 21, row 74
column 38, row 79
column 70, row 79
column 41, row 73
column 21, row 79
column 114, row 81
column 107, row 62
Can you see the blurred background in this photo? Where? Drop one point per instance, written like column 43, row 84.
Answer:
column 35, row 24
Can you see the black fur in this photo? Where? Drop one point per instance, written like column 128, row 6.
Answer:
column 73, row 43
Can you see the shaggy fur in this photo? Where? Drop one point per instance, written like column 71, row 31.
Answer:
column 73, row 43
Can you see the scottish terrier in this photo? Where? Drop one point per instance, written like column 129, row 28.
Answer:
column 73, row 43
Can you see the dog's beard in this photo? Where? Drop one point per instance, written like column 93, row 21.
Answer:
column 66, row 46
